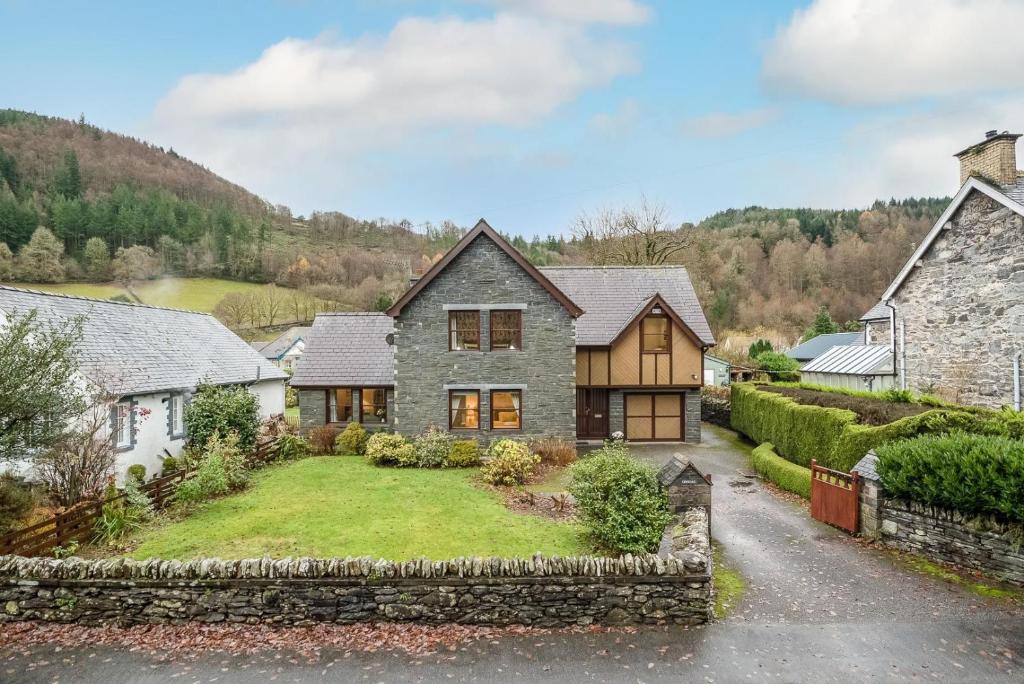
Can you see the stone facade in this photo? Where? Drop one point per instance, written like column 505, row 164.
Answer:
column 548, row 592
column 994, row 159
column 313, row 410
column 692, row 412
column 484, row 277
column 962, row 310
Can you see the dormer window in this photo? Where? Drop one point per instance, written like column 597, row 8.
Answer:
column 655, row 332
column 463, row 331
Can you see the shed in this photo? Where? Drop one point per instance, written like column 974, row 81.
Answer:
column 716, row 370
column 865, row 367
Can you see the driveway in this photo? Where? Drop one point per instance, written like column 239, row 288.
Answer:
column 820, row 607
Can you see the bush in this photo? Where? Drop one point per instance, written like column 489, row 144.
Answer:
column 122, row 515
column 169, row 465
column 777, row 470
column 972, row 474
column 779, row 366
column 220, row 410
column 620, row 501
column 433, row 448
column 321, row 439
column 220, row 470
column 510, row 464
column 898, row 396
column 465, row 453
column 760, row 346
column 554, row 451
column 289, row 447
column 16, row 501
column 136, row 472
column 352, row 439
column 388, row 449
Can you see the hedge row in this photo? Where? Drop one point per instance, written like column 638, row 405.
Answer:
column 775, row 469
column 801, row 433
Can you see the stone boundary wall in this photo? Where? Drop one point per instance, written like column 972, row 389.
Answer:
column 540, row 591
column 948, row 537
column 716, row 410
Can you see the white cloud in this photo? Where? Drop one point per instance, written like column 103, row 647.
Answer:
column 304, row 101
column 618, row 122
column 581, row 11
column 729, row 124
column 870, row 51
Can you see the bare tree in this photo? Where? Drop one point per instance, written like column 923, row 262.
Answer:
column 631, row 236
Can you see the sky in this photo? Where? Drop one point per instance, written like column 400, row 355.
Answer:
column 533, row 112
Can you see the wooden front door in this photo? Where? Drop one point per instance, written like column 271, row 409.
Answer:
column 591, row 414
column 655, row 417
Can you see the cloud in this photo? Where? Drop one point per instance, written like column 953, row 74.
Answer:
column 873, row 51
column 618, row 122
column 582, row 11
column 729, row 124
column 321, row 99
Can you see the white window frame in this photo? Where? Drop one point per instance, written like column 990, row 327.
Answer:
column 177, row 409
column 123, row 425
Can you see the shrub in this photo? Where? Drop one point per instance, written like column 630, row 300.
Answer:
column 510, row 464
column 465, row 453
column 779, row 366
column 219, row 470
column 972, row 474
column 554, row 451
column 433, row 448
column 760, row 346
column 898, row 396
column 219, row 410
column 388, row 449
column 777, row 470
column 289, row 447
column 169, row 465
column 121, row 516
column 352, row 439
column 137, row 472
column 620, row 501
column 321, row 439
column 16, row 501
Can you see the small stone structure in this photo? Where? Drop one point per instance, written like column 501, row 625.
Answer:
column 687, row 486
column 939, row 534
column 540, row 591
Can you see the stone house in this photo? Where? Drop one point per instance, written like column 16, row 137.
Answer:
column 485, row 344
column 957, row 306
column 148, row 360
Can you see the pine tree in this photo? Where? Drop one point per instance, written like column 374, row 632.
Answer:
column 68, row 179
column 822, row 325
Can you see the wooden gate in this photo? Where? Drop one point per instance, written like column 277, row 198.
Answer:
column 835, row 497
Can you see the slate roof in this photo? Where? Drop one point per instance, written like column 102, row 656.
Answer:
column 277, row 347
column 867, row 466
column 1015, row 191
column 611, row 296
column 879, row 312
column 855, row 359
column 347, row 349
column 816, row 346
column 139, row 349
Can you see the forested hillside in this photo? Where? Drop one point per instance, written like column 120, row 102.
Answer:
column 116, row 208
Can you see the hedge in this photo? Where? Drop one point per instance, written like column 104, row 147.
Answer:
column 772, row 467
column 801, row 432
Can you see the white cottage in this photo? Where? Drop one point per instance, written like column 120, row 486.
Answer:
column 152, row 359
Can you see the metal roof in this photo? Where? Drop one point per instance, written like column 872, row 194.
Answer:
column 854, row 359
column 140, row 349
column 347, row 349
column 816, row 346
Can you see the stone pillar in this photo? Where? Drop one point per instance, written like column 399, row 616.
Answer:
column 616, row 412
column 870, row 496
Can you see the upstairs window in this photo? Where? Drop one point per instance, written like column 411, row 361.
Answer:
column 506, row 410
column 506, row 330
column 463, row 409
column 463, row 331
column 375, row 405
column 340, row 405
column 655, row 330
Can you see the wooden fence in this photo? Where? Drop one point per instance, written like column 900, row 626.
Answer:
column 835, row 497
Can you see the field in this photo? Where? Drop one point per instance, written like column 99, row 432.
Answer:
column 340, row 505
column 195, row 294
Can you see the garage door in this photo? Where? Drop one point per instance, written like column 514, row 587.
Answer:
column 652, row 417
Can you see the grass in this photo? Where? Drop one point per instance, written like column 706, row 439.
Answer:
column 340, row 505
column 94, row 290
column 729, row 585
column 945, row 574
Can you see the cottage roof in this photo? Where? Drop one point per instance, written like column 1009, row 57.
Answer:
column 140, row 349
column 611, row 297
column 879, row 312
column 275, row 348
column 816, row 346
column 854, row 359
column 347, row 349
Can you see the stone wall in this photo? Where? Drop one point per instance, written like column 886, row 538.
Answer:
column 313, row 410
column 716, row 410
column 549, row 592
column 484, row 277
column 691, row 400
column 962, row 309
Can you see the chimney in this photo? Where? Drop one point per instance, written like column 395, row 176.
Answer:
column 994, row 158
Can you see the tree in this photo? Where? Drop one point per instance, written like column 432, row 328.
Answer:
column 96, row 259
column 383, row 301
column 779, row 366
column 68, row 179
column 79, row 464
column 234, row 310
column 822, row 325
column 39, row 260
column 38, row 389
column 9, row 171
column 135, row 263
column 633, row 236
column 6, row 262
column 759, row 347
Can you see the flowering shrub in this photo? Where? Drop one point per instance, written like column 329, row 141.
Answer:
column 387, row 449
column 510, row 464
column 433, row 447
column 352, row 439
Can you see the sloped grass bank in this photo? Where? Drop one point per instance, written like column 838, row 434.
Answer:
column 340, row 505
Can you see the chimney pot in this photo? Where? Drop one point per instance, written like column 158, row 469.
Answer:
column 990, row 134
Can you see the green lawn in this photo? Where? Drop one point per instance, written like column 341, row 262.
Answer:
column 95, row 290
column 340, row 505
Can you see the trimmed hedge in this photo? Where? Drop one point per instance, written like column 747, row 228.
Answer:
column 832, row 436
column 972, row 474
column 777, row 470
